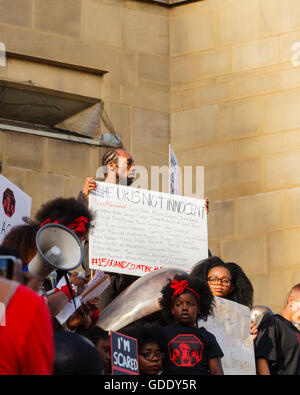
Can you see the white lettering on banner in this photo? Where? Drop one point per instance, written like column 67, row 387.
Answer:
column 138, row 231
column 124, row 361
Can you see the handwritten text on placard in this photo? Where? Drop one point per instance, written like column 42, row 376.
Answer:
column 138, row 231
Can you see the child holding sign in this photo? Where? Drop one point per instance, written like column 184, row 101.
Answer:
column 191, row 350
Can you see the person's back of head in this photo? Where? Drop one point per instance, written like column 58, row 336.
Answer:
column 22, row 239
column 295, row 292
column 75, row 355
column 291, row 310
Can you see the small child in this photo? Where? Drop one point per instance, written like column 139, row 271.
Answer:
column 150, row 338
column 191, row 350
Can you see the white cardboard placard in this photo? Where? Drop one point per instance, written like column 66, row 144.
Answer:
column 14, row 205
column 231, row 326
column 137, row 231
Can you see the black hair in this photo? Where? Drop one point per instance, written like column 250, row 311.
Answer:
column 75, row 355
column 242, row 292
column 95, row 334
column 199, row 286
column 111, row 156
column 146, row 333
column 64, row 210
column 9, row 251
column 22, row 239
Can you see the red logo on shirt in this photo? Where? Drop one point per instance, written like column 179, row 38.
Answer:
column 185, row 350
column 298, row 338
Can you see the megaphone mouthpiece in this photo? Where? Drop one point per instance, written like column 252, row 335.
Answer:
column 53, row 254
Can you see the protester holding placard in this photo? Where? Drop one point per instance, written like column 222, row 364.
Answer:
column 119, row 168
column 226, row 280
column 191, row 350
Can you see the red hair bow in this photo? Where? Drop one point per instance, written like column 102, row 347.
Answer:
column 78, row 225
column 180, row 286
column 48, row 221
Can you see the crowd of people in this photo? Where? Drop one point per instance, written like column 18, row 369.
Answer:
column 33, row 341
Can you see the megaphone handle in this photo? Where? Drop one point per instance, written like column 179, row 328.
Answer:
column 70, row 288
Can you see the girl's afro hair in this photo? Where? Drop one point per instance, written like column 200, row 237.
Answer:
column 199, row 286
column 243, row 290
column 64, row 210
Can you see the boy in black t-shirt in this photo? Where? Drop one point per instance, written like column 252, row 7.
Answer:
column 277, row 346
column 191, row 350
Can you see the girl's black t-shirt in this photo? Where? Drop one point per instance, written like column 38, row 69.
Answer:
column 278, row 341
column 189, row 349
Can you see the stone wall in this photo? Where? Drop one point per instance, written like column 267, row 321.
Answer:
column 129, row 41
column 235, row 109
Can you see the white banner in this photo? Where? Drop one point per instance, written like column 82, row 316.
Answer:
column 138, row 231
column 15, row 204
column 230, row 324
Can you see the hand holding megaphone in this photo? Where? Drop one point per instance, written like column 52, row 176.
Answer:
column 78, row 281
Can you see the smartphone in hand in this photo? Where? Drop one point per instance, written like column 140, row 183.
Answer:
column 7, row 266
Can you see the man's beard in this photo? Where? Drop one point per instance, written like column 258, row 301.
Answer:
column 125, row 180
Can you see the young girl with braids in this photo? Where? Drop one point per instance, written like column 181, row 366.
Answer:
column 191, row 350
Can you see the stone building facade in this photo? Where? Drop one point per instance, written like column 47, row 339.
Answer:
column 219, row 80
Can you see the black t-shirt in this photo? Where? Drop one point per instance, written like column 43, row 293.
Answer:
column 189, row 349
column 278, row 341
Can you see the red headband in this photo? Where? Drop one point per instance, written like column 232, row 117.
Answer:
column 78, row 225
column 180, row 286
